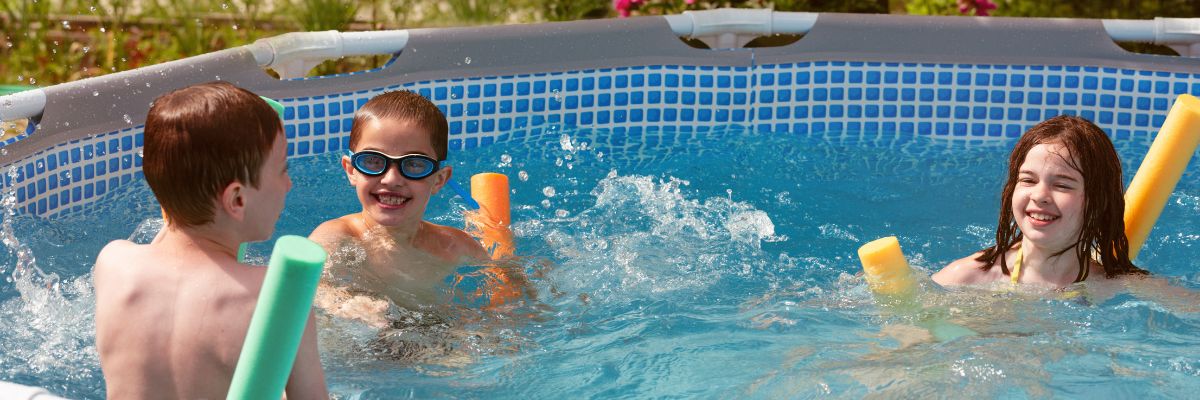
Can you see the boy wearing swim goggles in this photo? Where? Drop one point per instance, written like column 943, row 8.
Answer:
column 387, row 252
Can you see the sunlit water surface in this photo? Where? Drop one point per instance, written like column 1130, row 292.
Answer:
column 674, row 264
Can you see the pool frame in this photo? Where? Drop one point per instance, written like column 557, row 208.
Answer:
column 951, row 78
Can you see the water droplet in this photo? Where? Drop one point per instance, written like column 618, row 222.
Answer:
column 67, row 176
column 224, row 6
column 141, row 153
column 41, row 165
column 86, row 49
column 235, row 27
column 548, row 191
column 565, row 142
column 561, row 213
column 7, row 103
column 95, row 93
column 558, row 162
column 218, row 77
column 557, row 96
column 67, row 123
column 467, row 60
column 127, row 119
column 66, row 25
column 453, row 96
column 20, row 78
column 505, row 160
column 3, row 152
column 102, row 30
column 10, row 45
column 523, row 176
column 92, row 8
column 546, row 203
column 32, row 81
column 147, row 84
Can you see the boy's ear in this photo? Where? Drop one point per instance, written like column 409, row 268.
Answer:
column 441, row 177
column 350, row 175
column 232, row 200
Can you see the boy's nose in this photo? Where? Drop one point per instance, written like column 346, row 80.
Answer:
column 392, row 176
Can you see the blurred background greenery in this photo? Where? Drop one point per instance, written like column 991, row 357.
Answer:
column 46, row 42
column 53, row 41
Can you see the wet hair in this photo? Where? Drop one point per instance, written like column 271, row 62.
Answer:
column 1102, row 234
column 201, row 138
column 403, row 106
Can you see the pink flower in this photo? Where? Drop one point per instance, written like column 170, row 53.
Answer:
column 624, row 6
column 981, row 7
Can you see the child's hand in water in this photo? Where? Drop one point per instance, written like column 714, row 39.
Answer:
column 366, row 309
column 339, row 303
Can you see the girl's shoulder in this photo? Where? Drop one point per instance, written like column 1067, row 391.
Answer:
column 966, row 271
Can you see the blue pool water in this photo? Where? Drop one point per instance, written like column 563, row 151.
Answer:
column 716, row 264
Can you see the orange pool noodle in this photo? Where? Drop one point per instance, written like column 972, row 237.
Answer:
column 1164, row 164
column 490, row 190
column 886, row 268
column 492, row 220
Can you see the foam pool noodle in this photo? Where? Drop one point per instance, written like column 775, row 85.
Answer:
column 891, row 279
column 491, row 223
column 279, row 319
column 1160, row 171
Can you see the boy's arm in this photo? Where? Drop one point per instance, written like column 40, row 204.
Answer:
column 307, row 380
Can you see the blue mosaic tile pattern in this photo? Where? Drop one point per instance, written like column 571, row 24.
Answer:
column 953, row 101
column 961, row 101
column 68, row 176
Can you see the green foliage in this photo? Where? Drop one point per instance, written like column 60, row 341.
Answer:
column 570, row 10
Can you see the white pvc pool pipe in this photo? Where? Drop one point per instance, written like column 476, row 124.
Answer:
column 12, row 391
column 24, row 104
column 1180, row 34
column 292, row 55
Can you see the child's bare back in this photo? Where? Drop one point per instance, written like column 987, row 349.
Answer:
column 171, row 321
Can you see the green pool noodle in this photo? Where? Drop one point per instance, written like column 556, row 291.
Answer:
column 274, row 105
column 279, row 319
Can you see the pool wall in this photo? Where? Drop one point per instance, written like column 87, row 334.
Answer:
column 957, row 78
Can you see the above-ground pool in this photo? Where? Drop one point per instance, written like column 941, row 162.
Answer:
column 688, row 217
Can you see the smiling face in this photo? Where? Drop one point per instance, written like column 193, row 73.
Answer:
column 1048, row 199
column 390, row 199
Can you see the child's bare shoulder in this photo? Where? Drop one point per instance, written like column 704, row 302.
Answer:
column 118, row 257
column 333, row 232
column 458, row 243
column 963, row 271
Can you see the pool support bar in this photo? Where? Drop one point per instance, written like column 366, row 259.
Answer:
column 1161, row 170
column 279, row 319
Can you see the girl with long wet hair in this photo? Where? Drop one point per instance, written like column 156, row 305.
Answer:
column 1061, row 215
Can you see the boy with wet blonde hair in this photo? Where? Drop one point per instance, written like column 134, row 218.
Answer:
column 171, row 315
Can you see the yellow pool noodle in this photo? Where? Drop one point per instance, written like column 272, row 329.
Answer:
column 886, row 269
column 1161, row 169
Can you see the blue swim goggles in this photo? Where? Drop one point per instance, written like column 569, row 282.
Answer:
column 412, row 166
